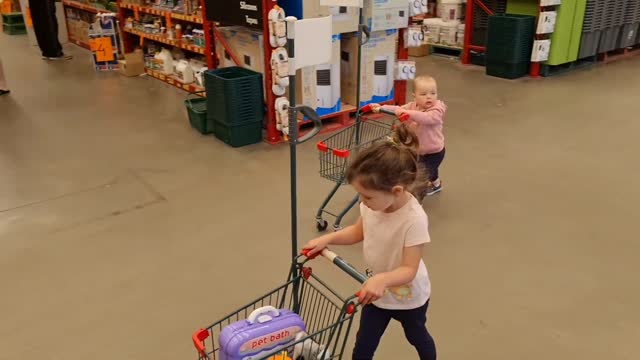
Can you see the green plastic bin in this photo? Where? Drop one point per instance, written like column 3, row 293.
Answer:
column 507, row 70
column 197, row 110
column 239, row 135
column 14, row 18
column 234, row 95
column 16, row 29
column 510, row 38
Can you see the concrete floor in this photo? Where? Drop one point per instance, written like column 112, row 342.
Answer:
column 122, row 230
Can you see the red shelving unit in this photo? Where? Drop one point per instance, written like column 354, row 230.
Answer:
column 132, row 38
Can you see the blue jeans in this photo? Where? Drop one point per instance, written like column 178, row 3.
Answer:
column 374, row 321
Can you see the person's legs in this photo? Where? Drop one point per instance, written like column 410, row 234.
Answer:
column 415, row 329
column 55, row 41
column 45, row 25
column 431, row 163
column 373, row 323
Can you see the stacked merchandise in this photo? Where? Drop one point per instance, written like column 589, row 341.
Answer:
column 13, row 24
column 174, row 65
column 637, row 20
column 186, row 7
column 229, row 90
column 631, row 24
column 613, row 21
column 509, row 45
column 100, row 5
column 154, row 27
column 447, row 29
column 609, row 25
column 78, row 24
column 80, row 14
column 376, row 67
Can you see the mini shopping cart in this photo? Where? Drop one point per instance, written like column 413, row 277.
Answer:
column 328, row 316
column 337, row 151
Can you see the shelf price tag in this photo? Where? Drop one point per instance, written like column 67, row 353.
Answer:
column 103, row 49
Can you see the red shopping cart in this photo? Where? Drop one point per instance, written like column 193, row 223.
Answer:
column 337, row 151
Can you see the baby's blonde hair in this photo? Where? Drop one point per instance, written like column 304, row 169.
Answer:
column 422, row 79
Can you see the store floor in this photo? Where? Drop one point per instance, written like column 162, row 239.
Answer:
column 122, row 230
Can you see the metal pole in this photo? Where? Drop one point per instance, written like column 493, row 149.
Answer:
column 293, row 134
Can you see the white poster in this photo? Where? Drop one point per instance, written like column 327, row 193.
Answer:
column 344, row 3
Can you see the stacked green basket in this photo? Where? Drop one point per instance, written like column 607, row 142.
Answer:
column 509, row 45
column 235, row 105
column 13, row 24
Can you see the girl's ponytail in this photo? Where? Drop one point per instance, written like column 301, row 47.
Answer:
column 389, row 163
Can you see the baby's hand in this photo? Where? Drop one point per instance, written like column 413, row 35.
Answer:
column 399, row 112
column 375, row 108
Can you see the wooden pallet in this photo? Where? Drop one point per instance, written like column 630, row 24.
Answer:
column 445, row 50
column 553, row 70
column 619, row 54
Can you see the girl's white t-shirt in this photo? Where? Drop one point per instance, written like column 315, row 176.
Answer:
column 385, row 237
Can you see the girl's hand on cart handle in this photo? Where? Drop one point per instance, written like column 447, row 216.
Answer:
column 375, row 107
column 314, row 247
column 372, row 290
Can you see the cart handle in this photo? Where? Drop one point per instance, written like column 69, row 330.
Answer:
column 198, row 338
column 317, row 122
column 339, row 262
column 368, row 109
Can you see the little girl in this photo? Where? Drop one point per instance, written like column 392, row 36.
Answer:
column 426, row 115
column 393, row 228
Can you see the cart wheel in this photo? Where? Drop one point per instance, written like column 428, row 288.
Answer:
column 322, row 225
column 337, row 227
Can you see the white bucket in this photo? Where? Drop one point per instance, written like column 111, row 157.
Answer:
column 449, row 10
column 432, row 30
column 448, row 32
column 460, row 35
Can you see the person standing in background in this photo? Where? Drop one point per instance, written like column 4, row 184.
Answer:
column 45, row 25
column 3, row 82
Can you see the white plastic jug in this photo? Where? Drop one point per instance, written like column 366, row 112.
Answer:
column 165, row 61
column 184, row 72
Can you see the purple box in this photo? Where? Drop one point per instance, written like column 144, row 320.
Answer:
column 265, row 329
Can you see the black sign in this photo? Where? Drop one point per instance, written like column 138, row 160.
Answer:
column 235, row 12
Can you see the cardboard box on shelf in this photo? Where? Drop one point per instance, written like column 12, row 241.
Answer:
column 377, row 67
column 133, row 63
column 345, row 19
column 386, row 14
column 319, row 86
column 420, row 51
column 246, row 45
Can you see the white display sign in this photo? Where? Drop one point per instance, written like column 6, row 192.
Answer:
column 541, row 49
column 344, row 3
column 546, row 22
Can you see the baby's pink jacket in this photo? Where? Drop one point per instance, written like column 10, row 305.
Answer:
column 428, row 125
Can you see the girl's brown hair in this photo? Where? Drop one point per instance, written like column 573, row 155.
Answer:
column 390, row 162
